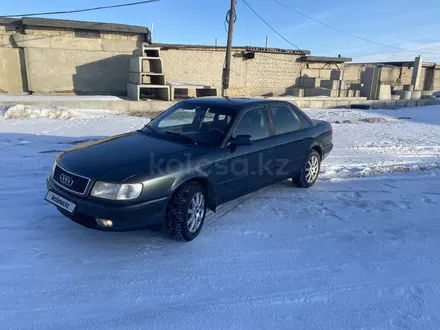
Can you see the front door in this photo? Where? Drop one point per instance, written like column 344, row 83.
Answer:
column 243, row 170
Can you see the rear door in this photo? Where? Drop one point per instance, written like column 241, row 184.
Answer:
column 292, row 142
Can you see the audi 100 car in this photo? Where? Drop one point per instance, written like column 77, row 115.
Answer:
column 193, row 157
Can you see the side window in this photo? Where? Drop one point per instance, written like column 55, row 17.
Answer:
column 209, row 116
column 283, row 119
column 255, row 123
column 305, row 123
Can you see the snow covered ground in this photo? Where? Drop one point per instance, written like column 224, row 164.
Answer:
column 54, row 98
column 360, row 249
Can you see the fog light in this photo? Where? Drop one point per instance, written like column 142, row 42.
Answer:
column 104, row 223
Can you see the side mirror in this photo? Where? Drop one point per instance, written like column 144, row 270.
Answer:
column 242, row 140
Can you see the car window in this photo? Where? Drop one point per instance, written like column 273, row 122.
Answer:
column 305, row 123
column 209, row 116
column 255, row 123
column 182, row 116
column 283, row 119
column 201, row 122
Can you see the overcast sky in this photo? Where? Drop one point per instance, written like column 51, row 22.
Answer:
column 408, row 24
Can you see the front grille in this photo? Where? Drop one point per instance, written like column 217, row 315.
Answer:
column 70, row 181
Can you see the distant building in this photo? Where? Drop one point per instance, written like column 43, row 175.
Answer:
column 62, row 56
column 396, row 74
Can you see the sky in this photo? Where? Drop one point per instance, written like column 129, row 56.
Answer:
column 408, row 24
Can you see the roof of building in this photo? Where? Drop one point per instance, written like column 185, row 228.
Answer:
column 239, row 48
column 6, row 20
column 326, row 59
column 69, row 24
column 252, row 49
column 398, row 63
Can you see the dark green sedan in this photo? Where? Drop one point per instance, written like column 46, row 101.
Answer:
column 195, row 156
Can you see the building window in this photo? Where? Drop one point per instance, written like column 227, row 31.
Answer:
column 87, row 34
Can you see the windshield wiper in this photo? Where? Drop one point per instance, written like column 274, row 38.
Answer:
column 150, row 128
column 182, row 136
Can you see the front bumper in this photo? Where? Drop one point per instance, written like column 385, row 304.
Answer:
column 124, row 216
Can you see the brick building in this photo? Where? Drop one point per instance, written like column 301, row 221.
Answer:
column 60, row 56
column 255, row 71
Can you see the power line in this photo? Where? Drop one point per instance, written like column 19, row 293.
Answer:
column 270, row 26
column 348, row 33
column 83, row 10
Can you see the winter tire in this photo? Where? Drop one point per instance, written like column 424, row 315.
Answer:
column 309, row 172
column 186, row 212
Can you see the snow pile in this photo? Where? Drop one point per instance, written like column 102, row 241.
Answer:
column 374, row 170
column 19, row 111
column 370, row 120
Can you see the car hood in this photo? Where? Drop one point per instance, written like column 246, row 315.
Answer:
column 119, row 157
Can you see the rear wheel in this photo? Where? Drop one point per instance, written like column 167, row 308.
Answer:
column 186, row 212
column 309, row 172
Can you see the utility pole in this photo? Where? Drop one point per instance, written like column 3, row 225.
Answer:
column 227, row 69
column 151, row 31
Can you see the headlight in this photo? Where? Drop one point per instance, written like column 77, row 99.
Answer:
column 129, row 191
column 116, row 191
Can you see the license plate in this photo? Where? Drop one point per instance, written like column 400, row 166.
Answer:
column 59, row 201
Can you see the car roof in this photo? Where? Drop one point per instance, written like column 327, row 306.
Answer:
column 236, row 103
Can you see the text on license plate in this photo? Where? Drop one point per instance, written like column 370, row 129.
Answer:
column 59, row 201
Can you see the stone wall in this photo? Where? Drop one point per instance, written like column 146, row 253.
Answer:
column 198, row 66
column 265, row 74
column 54, row 60
column 271, row 73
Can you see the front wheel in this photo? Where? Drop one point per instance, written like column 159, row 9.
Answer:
column 186, row 212
column 309, row 172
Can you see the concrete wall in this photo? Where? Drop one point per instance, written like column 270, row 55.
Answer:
column 10, row 72
column 82, row 72
column 266, row 74
column 55, row 61
column 437, row 80
column 152, row 108
column 390, row 75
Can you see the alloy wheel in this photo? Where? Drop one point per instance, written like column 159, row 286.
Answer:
column 196, row 212
column 312, row 169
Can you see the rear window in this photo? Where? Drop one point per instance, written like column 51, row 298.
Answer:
column 283, row 119
column 305, row 123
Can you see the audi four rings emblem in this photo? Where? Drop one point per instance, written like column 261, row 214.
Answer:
column 66, row 180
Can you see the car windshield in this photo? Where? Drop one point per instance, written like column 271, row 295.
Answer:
column 200, row 123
